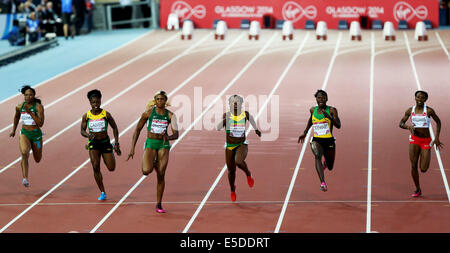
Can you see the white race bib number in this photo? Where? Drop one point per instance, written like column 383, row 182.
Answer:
column 97, row 125
column 159, row 126
column 321, row 128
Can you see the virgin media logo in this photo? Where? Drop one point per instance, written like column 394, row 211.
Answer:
column 404, row 11
column 185, row 11
column 292, row 11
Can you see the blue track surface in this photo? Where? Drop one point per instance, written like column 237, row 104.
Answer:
column 70, row 53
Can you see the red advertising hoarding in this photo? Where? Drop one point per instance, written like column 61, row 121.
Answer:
column 204, row 12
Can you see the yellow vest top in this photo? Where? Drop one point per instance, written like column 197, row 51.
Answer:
column 321, row 125
column 97, row 123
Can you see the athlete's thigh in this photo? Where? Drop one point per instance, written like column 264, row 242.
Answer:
column 95, row 155
column 317, row 149
column 425, row 157
column 148, row 158
column 24, row 144
column 414, row 153
column 241, row 153
column 109, row 160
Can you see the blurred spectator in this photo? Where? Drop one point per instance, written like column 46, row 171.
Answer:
column 27, row 7
column 33, row 29
column 90, row 7
column 80, row 10
column 51, row 21
column 12, row 6
column 16, row 36
column 68, row 16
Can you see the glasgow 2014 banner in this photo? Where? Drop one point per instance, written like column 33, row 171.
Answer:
column 204, row 12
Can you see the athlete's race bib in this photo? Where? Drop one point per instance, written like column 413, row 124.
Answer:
column 237, row 131
column 159, row 126
column 97, row 125
column 27, row 119
column 420, row 121
column 321, row 128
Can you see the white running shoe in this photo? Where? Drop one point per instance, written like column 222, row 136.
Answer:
column 25, row 182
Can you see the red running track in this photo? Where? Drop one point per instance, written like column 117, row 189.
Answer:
column 249, row 68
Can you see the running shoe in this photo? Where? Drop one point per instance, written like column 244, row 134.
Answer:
column 233, row 196
column 417, row 193
column 102, row 196
column 323, row 187
column 250, row 181
column 25, row 182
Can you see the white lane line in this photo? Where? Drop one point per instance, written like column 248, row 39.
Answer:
column 297, row 167
column 123, row 65
column 81, row 65
column 442, row 44
column 369, row 156
column 119, row 94
column 87, row 161
column 438, row 155
column 218, row 202
column 121, row 201
column 229, row 85
column 222, row 172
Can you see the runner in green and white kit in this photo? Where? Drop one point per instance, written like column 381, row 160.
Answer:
column 31, row 112
column 158, row 119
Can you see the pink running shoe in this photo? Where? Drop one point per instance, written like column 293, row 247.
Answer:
column 159, row 209
column 417, row 193
column 323, row 187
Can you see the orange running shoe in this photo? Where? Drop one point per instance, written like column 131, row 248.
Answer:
column 250, row 181
column 233, row 196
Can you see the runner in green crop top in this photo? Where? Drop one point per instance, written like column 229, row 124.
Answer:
column 157, row 144
column 31, row 112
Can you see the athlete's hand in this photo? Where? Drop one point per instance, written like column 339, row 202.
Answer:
column 258, row 132
column 301, row 138
column 438, row 143
column 117, row 149
column 91, row 136
column 325, row 113
column 12, row 134
column 131, row 154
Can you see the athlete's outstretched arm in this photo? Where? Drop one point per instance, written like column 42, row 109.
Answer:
column 404, row 119
column 222, row 123
column 253, row 123
column 137, row 131
column 302, row 137
column 174, row 126
column 438, row 143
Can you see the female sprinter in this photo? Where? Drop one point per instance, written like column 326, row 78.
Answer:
column 99, row 145
column 31, row 112
column 236, row 146
column 420, row 142
column 323, row 118
column 158, row 119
